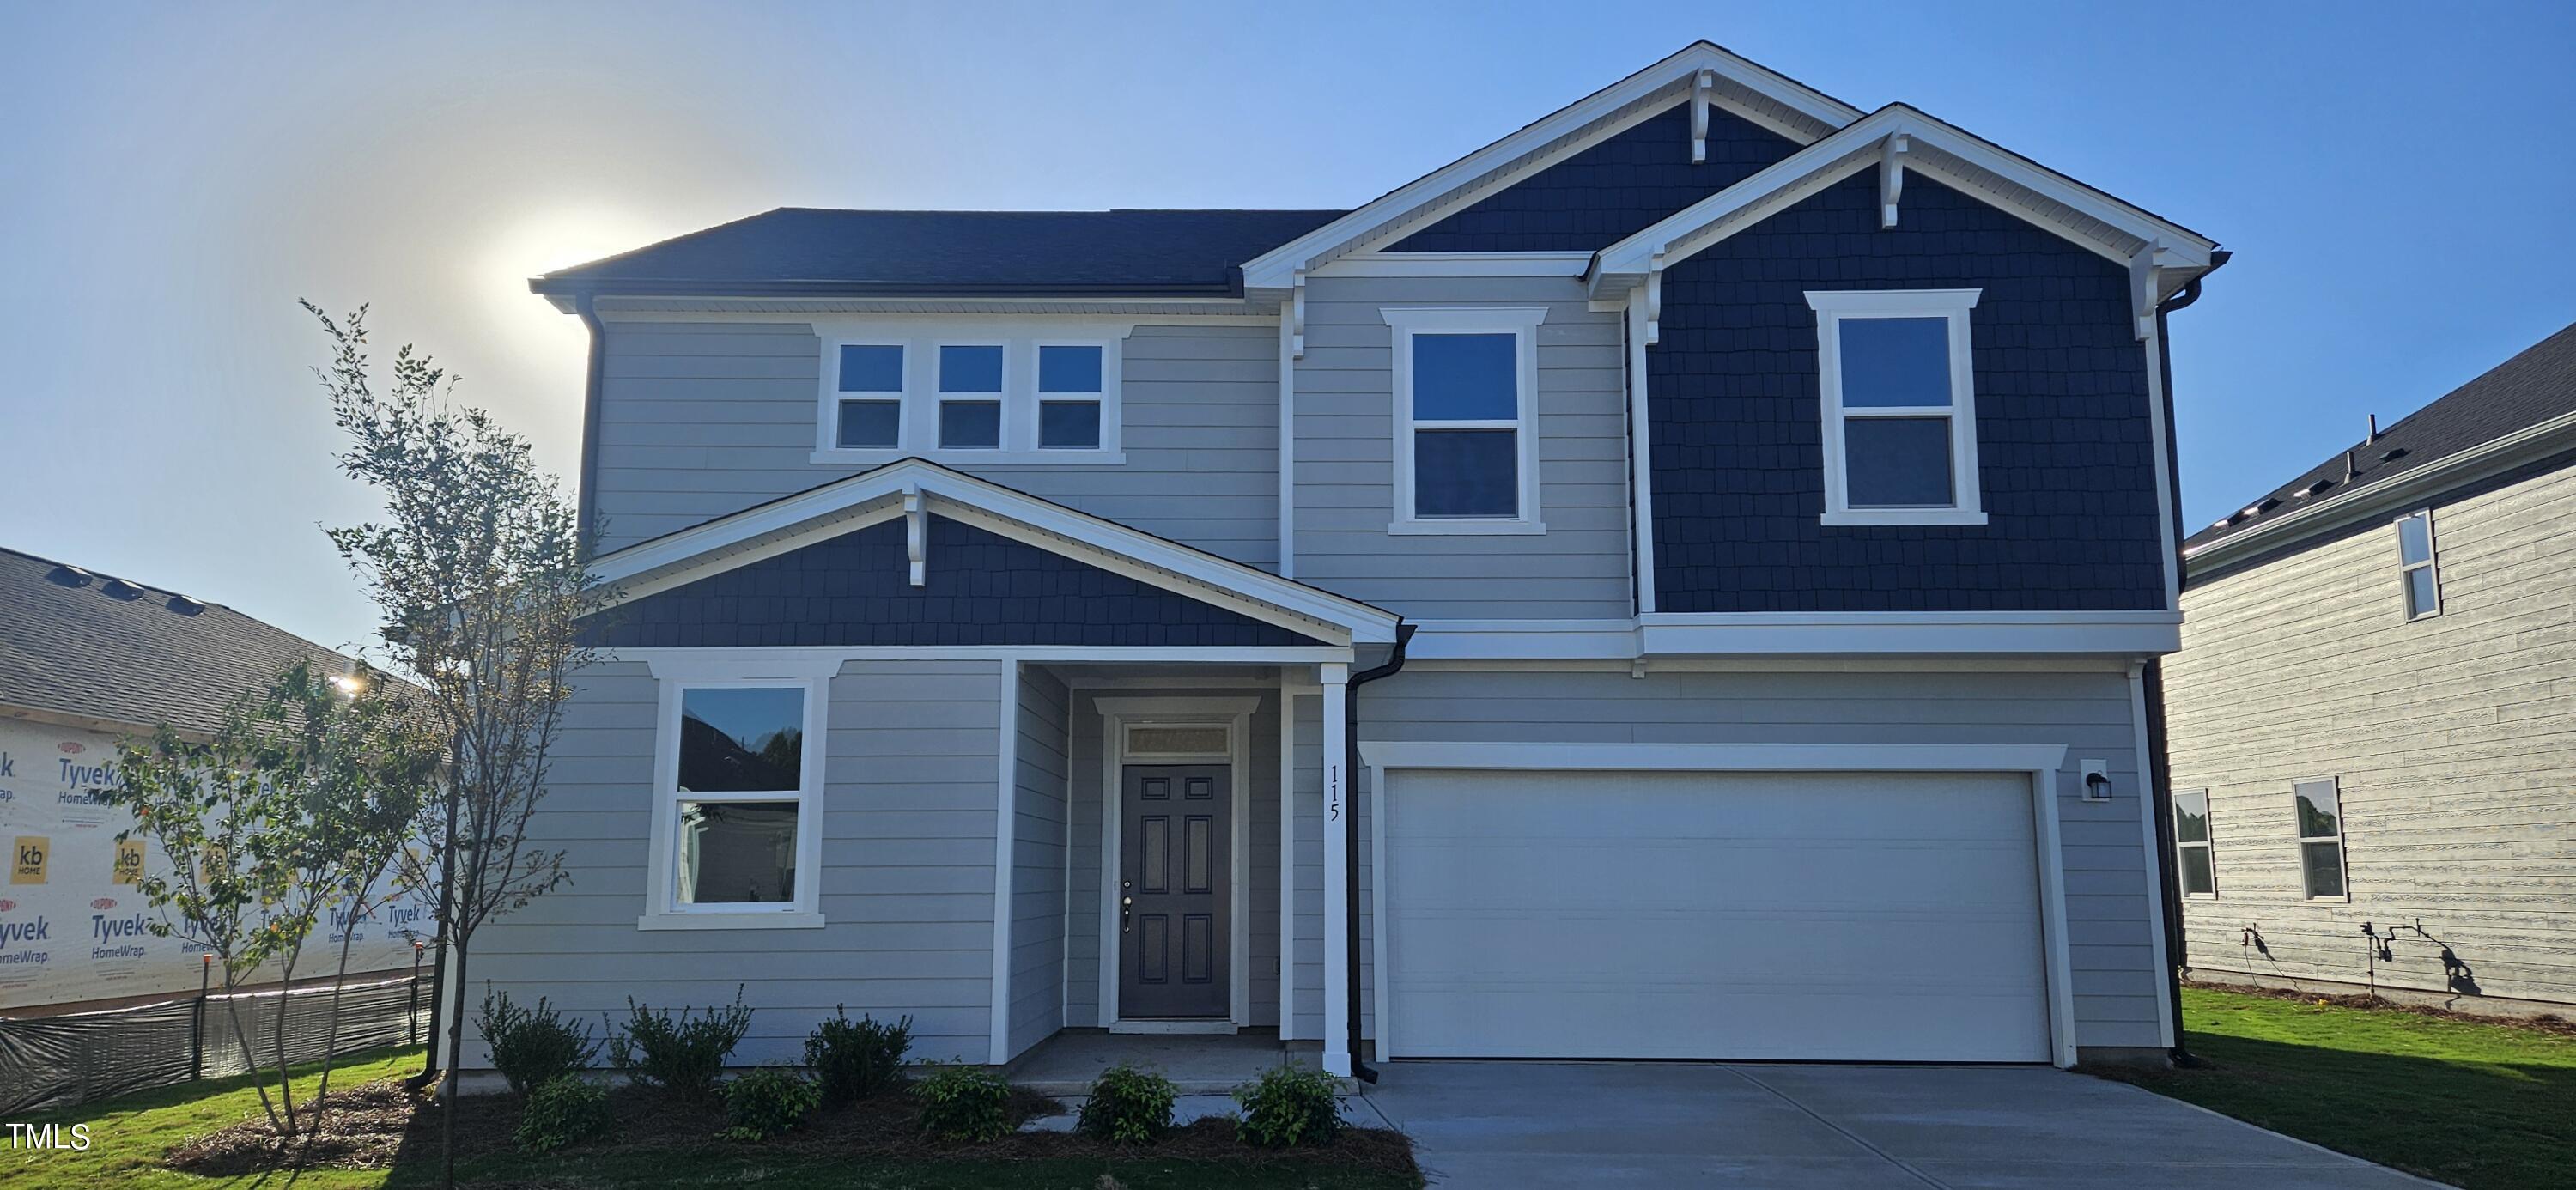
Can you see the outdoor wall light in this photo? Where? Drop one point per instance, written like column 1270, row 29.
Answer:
column 2097, row 781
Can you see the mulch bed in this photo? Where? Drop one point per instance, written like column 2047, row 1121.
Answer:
column 369, row 1127
column 2548, row 1023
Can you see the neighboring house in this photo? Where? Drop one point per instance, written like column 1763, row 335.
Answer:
column 2373, row 718
column 86, row 661
column 1011, row 601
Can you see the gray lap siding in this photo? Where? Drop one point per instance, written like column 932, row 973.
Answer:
column 701, row 419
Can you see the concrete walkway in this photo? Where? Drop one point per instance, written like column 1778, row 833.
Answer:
column 1530, row 1124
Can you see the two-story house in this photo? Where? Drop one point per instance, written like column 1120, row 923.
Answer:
column 2373, row 719
column 1674, row 583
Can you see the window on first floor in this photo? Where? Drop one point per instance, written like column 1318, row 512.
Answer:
column 1900, row 409
column 2198, row 875
column 2416, row 566
column 741, row 801
column 1466, row 400
column 2319, row 806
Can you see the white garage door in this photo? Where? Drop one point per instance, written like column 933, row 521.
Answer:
column 1815, row 916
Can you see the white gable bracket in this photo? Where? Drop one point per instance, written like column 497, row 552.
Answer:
column 1891, row 175
column 1701, row 84
column 916, row 533
column 1655, row 298
column 1297, row 314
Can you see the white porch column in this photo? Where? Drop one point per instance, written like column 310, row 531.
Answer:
column 1337, row 866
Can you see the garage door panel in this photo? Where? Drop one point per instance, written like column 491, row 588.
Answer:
column 1825, row 916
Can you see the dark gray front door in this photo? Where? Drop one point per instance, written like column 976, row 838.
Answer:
column 1173, row 895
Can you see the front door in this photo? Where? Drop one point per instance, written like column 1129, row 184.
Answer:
column 1175, row 824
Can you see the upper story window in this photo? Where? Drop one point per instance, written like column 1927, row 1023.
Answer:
column 1900, row 409
column 956, row 390
column 2416, row 565
column 2192, row 843
column 1466, row 432
column 2319, row 806
column 739, row 808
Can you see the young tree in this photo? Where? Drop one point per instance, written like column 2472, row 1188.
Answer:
column 481, row 574
column 297, row 804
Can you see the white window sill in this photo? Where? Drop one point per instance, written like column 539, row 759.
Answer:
column 1464, row 527
column 729, row 921
column 969, row 458
column 1906, row 516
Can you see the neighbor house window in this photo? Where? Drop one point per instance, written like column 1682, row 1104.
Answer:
column 2319, row 805
column 741, row 805
column 868, row 381
column 1071, row 380
column 2416, row 566
column 970, row 396
column 2191, row 844
column 1466, row 401
column 1900, row 411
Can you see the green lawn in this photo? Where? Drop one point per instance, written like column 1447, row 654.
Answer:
column 128, row 1136
column 2487, row 1107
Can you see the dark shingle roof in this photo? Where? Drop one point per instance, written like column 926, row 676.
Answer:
column 2520, row 393
column 801, row 250
column 126, row 653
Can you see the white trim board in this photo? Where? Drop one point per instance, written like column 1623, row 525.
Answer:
column 836, row 508
column 2038, row 762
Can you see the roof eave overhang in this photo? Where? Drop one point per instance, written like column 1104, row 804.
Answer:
column 1278, row 268
column 566, row 292
column 870, row 497
column 2396, row 492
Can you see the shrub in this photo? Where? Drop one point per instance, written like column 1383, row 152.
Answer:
column 856, row 1059
column 1292, row 1105
column 1127, row 1106
column 680, row 1055
column 768, row 1101
column 532, row 1046
column 561, row 1110
column 967, row 1103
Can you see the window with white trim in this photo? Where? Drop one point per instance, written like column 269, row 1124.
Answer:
column 970, row 396
column 738, row 839
column 2198, row 875
column 2319, row 807
column 2416, row 567
column 1466, row 402
column 868, row 413
column 969, row 392
column 1900, row 409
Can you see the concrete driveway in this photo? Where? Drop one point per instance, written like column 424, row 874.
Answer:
column 1533, row 1124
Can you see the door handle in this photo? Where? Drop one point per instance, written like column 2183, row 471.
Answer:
column 1126, row 913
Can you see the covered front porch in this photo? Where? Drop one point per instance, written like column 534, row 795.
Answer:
column 1066, row 1063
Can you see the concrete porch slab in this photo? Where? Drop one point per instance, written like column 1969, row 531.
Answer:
column 1197, row 1064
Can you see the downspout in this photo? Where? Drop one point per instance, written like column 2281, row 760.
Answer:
column 585, row 513
column 2158, row 759
column 1351, row 835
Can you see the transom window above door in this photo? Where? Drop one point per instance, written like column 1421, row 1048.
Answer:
column 1466, row 401
column 1900, row 407
column 969, row 392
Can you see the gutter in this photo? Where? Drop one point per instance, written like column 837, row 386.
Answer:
column 586, row 512
column 2158, row 761
column 1351, row 835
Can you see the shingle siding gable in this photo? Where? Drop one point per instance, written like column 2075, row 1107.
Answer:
column 1609, row 191
column 2065, row 446
column 981, row 589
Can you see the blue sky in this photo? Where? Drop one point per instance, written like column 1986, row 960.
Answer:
column 2391, row 179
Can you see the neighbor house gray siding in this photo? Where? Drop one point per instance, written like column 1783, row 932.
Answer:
column 701, row 419
column 907, row 871
column 2454, row 740
column 2102, row 845
column 1082, row 906
column 1041, row 806
column 1345, row 430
